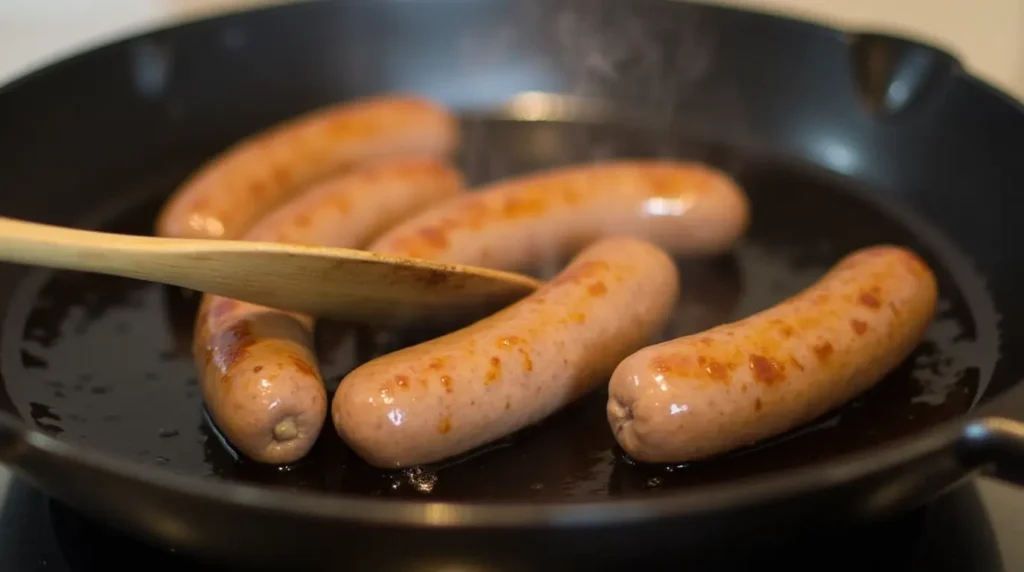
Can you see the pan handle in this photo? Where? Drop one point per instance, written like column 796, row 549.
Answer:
column 995, row 445
column 12, row 441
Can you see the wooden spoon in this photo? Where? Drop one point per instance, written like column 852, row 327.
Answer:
column 341, row 283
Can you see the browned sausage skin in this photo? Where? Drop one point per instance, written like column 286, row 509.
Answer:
column 685, row 208
column 259, row 376
column 228, row 194
column 449, row 395
column 731, row 386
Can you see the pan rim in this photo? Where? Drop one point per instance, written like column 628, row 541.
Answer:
column 745, row 492
column 733, row 495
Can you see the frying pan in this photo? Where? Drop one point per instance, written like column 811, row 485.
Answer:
column 842, row 139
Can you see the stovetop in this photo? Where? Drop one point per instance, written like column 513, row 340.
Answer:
column 977, row 527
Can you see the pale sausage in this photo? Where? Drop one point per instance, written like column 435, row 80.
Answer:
column 545, row 217
column 259, row 374
column 231, row 191
column 736, row 384
column 446, row 396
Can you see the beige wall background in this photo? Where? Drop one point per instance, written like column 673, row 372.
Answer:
column 988, row 35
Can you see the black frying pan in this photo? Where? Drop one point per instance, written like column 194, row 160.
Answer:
column 841, row 139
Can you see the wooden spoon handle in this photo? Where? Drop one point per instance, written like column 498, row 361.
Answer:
column 331, row 282
column 39, row 244
column 189, row 263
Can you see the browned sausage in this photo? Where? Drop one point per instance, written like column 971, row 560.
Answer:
column 234, row 189
column 736, row 384
column 449, row 395
column 259, row 375
column 685, row 208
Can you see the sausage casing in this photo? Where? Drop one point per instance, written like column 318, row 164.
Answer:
column 545, row 217
column 446, row 396
column 258, row 371
column 231, row 191
column 736, row 384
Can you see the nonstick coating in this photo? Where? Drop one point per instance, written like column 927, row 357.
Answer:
column 842, row 139
column 105, row 362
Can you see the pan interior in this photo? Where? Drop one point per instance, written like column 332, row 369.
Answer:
column 104, row 362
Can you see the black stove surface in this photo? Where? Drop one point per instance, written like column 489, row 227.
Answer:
column 975, row 527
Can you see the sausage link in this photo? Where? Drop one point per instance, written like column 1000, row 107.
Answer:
column 736, row 384
column 234, row 189
column 685, row 208
column 259, row 375
column 449, row 395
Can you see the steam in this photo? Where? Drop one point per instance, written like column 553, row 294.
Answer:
column 622, row 62
column 624, row 54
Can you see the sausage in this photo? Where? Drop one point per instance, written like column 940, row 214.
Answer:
column 449, row 395
column 731, row 386
column 685, row 208
column 259, row 375
column 230, row 192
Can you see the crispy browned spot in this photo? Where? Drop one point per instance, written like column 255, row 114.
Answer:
column 446, row 383
column 232, row 344
column 509, row 341
column 597, row 289
column 823, row 351
column 436, row 364
column 302, row 366
column 757, row 404
column 530, row 205
column 717, row 371
column 527, row 362
column 672, row 364
column 685, row 366
column 257, row 369
column 766, row 370
column 859, row 327
column 494, row 372
column 870, row 300
column 445, row 424
column 434, row 236
column 402, row 381
column 661, row 365
column 786, row 331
